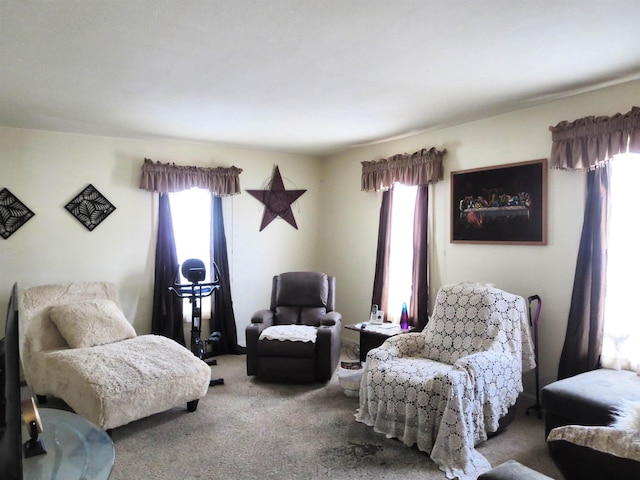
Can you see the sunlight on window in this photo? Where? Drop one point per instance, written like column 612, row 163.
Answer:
column 191, row 215
column 401, row 250
column 621, row 342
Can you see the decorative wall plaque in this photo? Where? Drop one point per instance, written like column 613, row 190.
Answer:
column 90, row 207
column 277, row 201
column 13, row 213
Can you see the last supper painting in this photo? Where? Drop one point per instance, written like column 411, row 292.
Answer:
column 505, row 204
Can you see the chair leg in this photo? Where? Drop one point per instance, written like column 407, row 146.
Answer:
column 192, row 405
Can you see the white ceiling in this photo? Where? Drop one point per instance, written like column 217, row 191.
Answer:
column 304, row 76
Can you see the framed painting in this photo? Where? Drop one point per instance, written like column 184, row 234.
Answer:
column 504, row 204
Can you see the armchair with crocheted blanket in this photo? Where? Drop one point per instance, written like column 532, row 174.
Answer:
column 447, row 387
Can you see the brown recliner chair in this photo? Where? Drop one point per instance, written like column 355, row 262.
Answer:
column 310, row 350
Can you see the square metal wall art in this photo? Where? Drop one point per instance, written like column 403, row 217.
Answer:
column 13, row 213
column 90, row 207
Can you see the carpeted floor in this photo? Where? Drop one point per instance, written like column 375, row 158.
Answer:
column 247, row 430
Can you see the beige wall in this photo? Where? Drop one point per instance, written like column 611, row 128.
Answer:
column 45, row 170
column 337, row 222
column 525, row 270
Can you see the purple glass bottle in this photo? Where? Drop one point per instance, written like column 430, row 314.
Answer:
column 404, row 317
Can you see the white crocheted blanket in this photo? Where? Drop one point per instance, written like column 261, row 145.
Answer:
column 446, row 387
column 293, row 333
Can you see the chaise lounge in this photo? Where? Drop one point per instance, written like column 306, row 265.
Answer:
column 76, row 345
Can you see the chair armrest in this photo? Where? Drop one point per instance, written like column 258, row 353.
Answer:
column 259, row 321
column 497, row 378
column 263, row 316
column 327, row 350
column 331, row 318
column 404, row 344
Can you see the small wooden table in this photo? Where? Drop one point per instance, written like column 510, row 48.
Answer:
column 372, row 336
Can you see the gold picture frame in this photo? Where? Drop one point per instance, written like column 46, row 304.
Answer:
column 502, row 204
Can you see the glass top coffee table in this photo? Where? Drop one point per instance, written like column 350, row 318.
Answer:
column 76, row 449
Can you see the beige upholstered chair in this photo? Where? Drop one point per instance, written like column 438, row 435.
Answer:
column 75, row 344
column 297, row 339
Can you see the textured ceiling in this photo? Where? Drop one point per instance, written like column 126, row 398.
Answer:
column 305, row 76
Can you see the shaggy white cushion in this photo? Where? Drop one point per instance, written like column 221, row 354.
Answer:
column 91, row 322
column 627, row 416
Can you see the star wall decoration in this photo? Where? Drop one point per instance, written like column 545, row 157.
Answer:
column 277, row 201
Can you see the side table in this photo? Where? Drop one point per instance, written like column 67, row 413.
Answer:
column 372, row 336
column 76, row 449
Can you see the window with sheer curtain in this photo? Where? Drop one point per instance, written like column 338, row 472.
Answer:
column 400, row 250
column 191, row 214
column 621, row 339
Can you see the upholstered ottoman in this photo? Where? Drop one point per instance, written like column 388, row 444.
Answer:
column 588, row 402
column 512, row 470
column 589, row 398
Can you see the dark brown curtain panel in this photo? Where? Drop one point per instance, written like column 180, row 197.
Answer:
column 419, row 308
column 167, row 307
column 380, row 278
column 417, row 169
column 583, row 339
column 169, row 177
column 590, row 143
column 224, row 320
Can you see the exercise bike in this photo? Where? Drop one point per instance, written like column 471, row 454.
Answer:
column 195, row 272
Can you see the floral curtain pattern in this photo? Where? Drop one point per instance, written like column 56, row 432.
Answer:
column 169, row 177
column 419, row 168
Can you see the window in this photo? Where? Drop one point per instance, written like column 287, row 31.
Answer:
column 621, row 339
column 401, row 250
column 191, row 216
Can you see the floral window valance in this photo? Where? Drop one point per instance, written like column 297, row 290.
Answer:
column 587, row 143
column 169, row 177
column 419, row 168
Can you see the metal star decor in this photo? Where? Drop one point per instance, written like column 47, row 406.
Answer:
column 277, row 201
